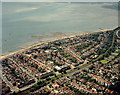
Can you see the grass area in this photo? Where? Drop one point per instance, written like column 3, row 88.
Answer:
column 104, row 61
column 114, row 55
column 117, row 51
column 92, row 56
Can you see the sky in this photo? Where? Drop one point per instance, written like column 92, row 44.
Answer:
column 45, row 12
column 60, row 0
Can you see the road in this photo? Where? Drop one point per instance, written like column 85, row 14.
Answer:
column 88, row 64
column 28, row 86
column 117, row 34
column 10, row 84
column 82, row 66
column 85, row 65
column 24, row 49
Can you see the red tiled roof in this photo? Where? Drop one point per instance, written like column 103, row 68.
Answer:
column 5, row 88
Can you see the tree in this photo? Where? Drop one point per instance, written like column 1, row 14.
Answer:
column 21, row 57
column 50, row 85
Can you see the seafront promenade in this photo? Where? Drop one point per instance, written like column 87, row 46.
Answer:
column 31, row 46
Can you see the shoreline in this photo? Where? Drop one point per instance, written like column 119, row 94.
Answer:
column 34, row 45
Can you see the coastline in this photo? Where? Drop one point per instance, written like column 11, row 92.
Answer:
column 34, row 45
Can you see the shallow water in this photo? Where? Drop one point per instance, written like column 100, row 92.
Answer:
column 26, row 23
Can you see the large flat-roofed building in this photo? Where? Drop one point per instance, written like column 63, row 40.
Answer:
column 57, row 68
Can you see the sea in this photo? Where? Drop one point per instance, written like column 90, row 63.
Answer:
column 25, row 23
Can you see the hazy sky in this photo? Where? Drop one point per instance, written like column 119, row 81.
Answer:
column 45, row 12
column 60, row 0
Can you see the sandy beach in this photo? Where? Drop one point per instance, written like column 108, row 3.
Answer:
column 21, row 50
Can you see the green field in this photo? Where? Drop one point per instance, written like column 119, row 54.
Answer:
column 104, row 61
column 117, row 51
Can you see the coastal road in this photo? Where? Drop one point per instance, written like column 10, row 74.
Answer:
column 24, row 49
column 117, row 33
